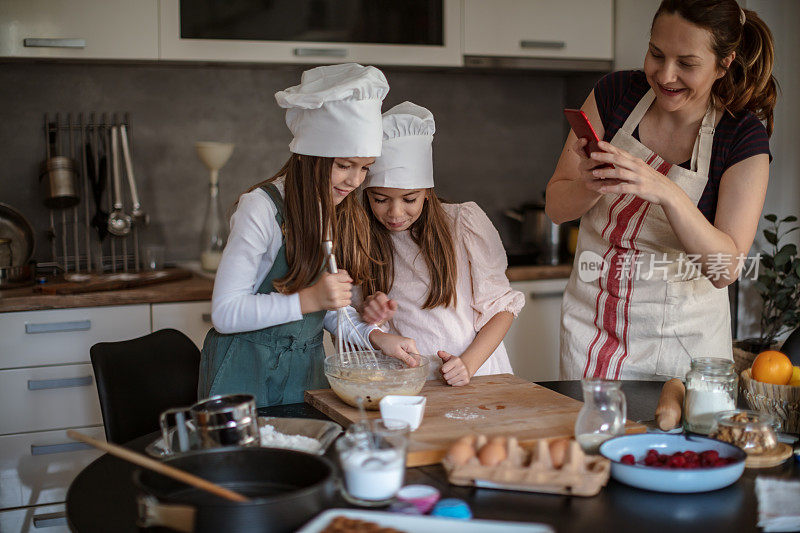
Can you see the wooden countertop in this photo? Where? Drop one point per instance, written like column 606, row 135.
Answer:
column 196, row 288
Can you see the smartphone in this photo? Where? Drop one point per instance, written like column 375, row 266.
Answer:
column 583, row 130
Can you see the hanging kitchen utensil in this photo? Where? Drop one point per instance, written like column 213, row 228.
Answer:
column 119, row 223
column 58, row 179
column 96, row 165
column 139, row 216
column 18, row 244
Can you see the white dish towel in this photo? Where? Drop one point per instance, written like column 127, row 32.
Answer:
column 778, row 504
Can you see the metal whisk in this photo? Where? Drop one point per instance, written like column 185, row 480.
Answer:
column 349, row 353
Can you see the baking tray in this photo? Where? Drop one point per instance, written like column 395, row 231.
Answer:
column 428, row 524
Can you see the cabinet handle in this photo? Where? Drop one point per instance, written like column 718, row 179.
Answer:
column 55, row 327
column 41, row 521
column 64, row 447
column 547, row 294
column 59, row 383
column 321, row 52
column 53, row 43
column 207, row 318
column 542, row 44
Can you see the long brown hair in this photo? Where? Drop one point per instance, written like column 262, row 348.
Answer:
column 748, row 83
column 432, row 233
column 309, row 212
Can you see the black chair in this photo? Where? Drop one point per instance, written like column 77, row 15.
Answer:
column 139, row 378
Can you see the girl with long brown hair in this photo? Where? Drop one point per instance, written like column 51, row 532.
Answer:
column 665, row 227
column 271, row 298
column 441, row 270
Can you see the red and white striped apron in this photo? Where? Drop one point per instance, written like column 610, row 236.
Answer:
column 647, row 314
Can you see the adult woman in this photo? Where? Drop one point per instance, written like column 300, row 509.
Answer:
column 270, row 297
column 690, row 169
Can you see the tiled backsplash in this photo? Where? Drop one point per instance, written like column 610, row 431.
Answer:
column 498, row 135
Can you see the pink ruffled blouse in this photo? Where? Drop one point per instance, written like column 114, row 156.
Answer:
column 482, row 287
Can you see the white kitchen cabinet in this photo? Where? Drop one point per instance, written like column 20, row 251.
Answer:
column 79, row 29
column 552, row 29
column 47, row 518
column 46, row 385
column 190, row 318
column 36, row 468
column 174, row 47
column 532, row 341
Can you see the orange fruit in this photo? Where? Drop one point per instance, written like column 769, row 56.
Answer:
column 772, row 366
column 795, row 381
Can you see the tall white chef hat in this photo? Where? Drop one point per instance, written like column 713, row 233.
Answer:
column 336, row 111
column 407, row 158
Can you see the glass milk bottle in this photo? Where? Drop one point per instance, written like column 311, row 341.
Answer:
column 602, row 415
column 711, row 387
column 215, row 231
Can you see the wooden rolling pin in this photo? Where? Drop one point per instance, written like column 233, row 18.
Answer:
column 670, row 405
column 156, row 466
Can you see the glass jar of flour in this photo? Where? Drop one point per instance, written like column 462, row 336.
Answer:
column 711, row 387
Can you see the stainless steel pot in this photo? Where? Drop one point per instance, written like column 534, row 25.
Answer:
column 18, row 234
column 538, row 231
column 58, row 182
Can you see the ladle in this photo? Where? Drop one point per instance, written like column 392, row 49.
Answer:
column 119, row 223
column 161, row 468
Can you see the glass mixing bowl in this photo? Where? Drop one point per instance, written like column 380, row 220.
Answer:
column 352, row 378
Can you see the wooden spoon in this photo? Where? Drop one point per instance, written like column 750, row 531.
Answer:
column 161, row 468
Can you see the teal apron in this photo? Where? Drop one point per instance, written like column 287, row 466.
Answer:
column 275, row 364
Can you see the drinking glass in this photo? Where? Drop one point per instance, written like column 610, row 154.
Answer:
column 372, row 454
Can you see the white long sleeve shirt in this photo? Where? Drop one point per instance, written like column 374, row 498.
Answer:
column 254, row 242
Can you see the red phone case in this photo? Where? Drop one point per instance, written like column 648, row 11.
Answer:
column 583, row 130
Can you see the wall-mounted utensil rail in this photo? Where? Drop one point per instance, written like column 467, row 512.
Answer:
column 77, row 242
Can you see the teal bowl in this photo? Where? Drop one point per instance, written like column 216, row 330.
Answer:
column 667, row 479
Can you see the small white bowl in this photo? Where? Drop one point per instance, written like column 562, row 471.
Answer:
column 409, row 409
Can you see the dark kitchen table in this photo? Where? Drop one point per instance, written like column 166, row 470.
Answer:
column 102, row 497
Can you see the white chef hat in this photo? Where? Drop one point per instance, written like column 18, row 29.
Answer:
column 407, row 158
column 336, row 111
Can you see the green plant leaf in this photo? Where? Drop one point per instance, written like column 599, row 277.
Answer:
column 790, row 249
column 797, row 269
column 771, row 217
column 771, row 237
column 767, row 274
column 791, row 280
column 781, row 258
column 790, row 218
column 767, row 262
column 761, row 288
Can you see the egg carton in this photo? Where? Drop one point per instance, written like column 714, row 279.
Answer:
column 531, row 469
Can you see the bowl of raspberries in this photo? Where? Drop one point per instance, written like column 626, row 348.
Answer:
column 673, row 463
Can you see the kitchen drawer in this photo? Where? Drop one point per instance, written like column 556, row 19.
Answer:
column 32, row 338
column 37, row 468
column 46, row 518
column 50, row 397
column 190, row 318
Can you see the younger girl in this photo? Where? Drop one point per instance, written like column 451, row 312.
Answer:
column 270, row 298
column 442, row 266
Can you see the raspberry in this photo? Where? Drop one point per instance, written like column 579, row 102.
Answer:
column 627, row 459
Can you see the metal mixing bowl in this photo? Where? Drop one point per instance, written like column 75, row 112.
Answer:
column 373, row 381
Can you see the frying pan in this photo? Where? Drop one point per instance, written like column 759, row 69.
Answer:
column 285, row 488
column 16, row 227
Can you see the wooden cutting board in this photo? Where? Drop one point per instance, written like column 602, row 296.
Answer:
column 80, row 283
column 492, row 405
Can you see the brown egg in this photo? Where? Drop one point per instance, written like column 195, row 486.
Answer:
column 460, row 452
column 493, row 452
column 558, row 451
